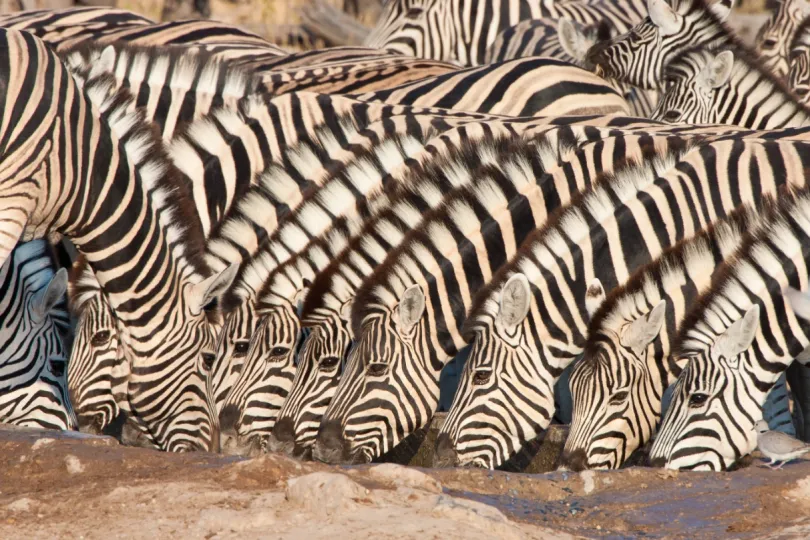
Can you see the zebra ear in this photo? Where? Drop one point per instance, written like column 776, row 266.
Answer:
column 515, row 301
column 717, row 72
column 411, row 307
column 346, row 310
column 105, row 64
column 45, row 299
column 571, row 40
column 737, row 337
column 721, row 9
column 641, row 332
column 594, row 296
column 664, row 17
column 204, row 292
column 799, row 301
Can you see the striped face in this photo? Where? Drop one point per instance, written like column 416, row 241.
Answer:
column 92, row 363
column 775, row 36
column 320, row 366
column 617, row 403
column 694, row 85
column 232, row 349
column 389, row 390
column 799, row 69
column 499, row 379
column 33, row 321
column 263, row 384
column 420, row 28
column 640, row 56
column 717, row 400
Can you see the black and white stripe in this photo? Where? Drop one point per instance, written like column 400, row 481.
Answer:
column 531, row 322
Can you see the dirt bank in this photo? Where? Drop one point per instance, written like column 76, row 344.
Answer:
column 65, row 485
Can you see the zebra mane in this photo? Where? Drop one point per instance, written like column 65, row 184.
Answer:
column 302, row 162
column 743, row 57
column 390, row 279
column 289, row 279
column 753, row 257
column 170, row 197
column 184, row 65
column 594, row 204
column 82, row 286
column 690, row 256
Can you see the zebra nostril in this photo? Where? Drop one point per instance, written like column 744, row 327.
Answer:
column 330, row 446
column 284, row 430
column 57, row 367
column 229, row 420
column 575, row 461
column 445, row 454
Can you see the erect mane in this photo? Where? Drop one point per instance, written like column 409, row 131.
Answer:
column 622, row 301
column 514, row 167
column 790, row 202
column 82, row 56
column 365, row 163
column 170, row 197
column 595, row 199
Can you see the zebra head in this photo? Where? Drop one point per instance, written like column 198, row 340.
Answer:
column 390, row 387
column 320, row 363
column 420, row 28
column 232, row 348
column 799, row 60
column 693, row 86
column 773, row 41
column 716, row 401
column 640, row 56
column 616, row 393
column 500, row 378
column 92, row 364
column 250, row 411
column 33, row 385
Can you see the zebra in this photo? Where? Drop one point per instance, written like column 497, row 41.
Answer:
column 448, row 30
column 640, row 56
column 532, row 317
column 727, row 86
column 521, row 87
column 569, row 41
column 53, row 188
column 736, row 342
column 406, row 315
column 415, row 191
column 799, row 70
column 33, row 326
column 171, row 85
column 619, row 383
column 53, row 25
column 774, row 39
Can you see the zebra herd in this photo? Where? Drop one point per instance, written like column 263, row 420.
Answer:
column 602, row 205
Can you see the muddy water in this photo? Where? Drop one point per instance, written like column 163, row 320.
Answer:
column 71, row 478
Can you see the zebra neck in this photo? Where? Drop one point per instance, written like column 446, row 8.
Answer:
column 754, row 101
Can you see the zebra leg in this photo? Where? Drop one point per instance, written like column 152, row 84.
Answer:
column 798, row 375
column 776, row 410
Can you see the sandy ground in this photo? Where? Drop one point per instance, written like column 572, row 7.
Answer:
column 68, row 486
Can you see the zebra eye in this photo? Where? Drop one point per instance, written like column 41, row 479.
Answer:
column 414, row 13
column 697, row 399
column 376, row 370
column 240, row 348
column 769, row 43
column 329, row 362
column 279, row 351
column 672, row 116
column 208, row 360
column 57, row 367
column 482, row 376
column 619, row 397
column 100, row 338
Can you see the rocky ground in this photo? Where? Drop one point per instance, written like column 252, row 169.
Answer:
column 62, row 485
